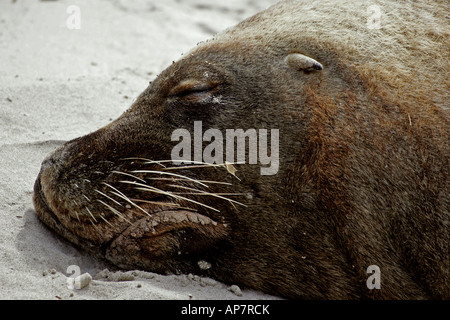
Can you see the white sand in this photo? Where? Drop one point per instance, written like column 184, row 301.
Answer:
column 57, row 84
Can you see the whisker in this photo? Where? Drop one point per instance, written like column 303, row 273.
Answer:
column 227, row 165
column 181, row 179
column 176, row 161
column 194, row 162
column 124, row 197
column 103, row 218
column 78, row 217
column 207, row 193
column 154, row 189
column 204, row 193
column 114, row 211
column 145, row 159
column 150, row 161
column 128, row 174
column 231, row 169
column 216, row 182
column 105, row 195
column 89, row 211
column 193, row 167
column 147, row 188
column 170, row 174
column 168, row 204
column 183, row 198
column 95, row 226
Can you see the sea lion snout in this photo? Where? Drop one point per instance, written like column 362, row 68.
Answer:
column 47, row 162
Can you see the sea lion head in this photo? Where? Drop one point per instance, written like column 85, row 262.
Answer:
column 120, row 191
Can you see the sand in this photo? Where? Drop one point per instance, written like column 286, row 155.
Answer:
column 57, row 84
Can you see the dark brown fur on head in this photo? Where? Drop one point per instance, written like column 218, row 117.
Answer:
column 362, row 179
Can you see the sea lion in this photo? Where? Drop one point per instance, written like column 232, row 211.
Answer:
column 358, row 206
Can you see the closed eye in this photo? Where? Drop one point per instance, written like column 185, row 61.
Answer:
column 192, row 89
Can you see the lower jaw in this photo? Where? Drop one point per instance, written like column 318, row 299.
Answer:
column 158, row 235
column 165, row 236
column 50, row 219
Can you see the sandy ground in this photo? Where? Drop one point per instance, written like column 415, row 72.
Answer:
column 57, row 84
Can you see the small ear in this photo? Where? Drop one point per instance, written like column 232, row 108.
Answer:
column 298, row 61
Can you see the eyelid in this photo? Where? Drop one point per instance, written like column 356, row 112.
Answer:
column 188, row 87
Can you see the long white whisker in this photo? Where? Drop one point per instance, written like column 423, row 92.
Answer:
column 204, row 193
column 150, row 161
column 78, row 217
column 175, row 161
column 89, row 211
column 144, row 159
column 144, row 187
column 103, row 218
column 193, row 167
column 128, row 174
column 105, row 195
column 183, row 179
column 124, row 197
column 170, row 174
column 114, row 211
column 160, row 203
column 94, row 225
column 192, row 162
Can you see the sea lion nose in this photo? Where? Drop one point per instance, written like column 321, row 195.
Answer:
column 48, row 171
column 52, row 164
column 58, row 157
column 48, row 162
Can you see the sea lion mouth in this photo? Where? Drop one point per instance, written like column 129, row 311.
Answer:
column 165, row 235
column 50, row 219
column 162, row 232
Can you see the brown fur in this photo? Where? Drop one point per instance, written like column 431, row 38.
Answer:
column 364, row 159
